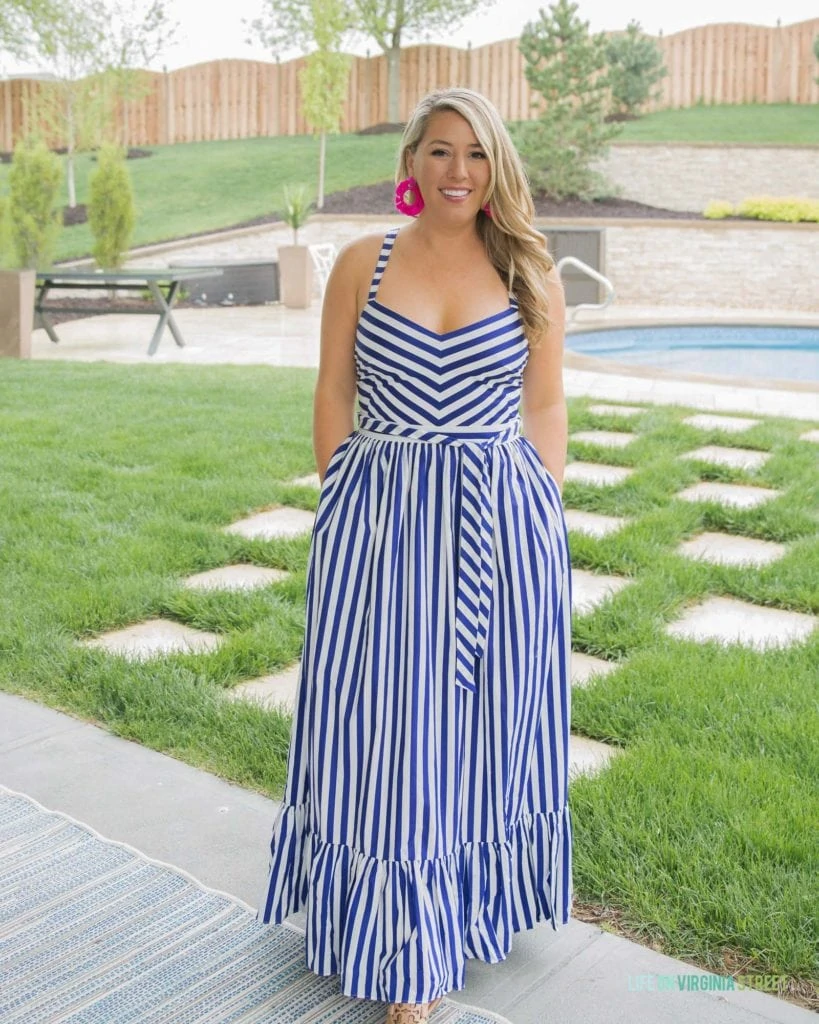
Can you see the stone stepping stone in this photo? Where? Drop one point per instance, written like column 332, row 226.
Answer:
column 235, row 577
column 311, row 480
column 596, row 473
column 592, row 523
column 588, row 757
column 585, row 668
column 736, row 458
column 729, row 549
column 155, row 637
column 606, row 438
column 282, row 521
column 730, row 424
column 589, row 589
column 601, row 409
column 810, row 435
column 276, row 690
column 735, row 495
column 728, row 620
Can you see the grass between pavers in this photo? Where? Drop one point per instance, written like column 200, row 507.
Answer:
column 700, row 838
column 203, row 186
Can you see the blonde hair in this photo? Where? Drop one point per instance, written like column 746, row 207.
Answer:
column 517, row 251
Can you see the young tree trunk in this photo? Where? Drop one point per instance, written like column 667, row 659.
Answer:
column 393, row 83
column 69, row 156
column 322, row 159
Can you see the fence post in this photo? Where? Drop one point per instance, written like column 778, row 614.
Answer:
column 16, row 313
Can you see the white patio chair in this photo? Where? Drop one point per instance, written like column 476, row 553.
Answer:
column 323, row 256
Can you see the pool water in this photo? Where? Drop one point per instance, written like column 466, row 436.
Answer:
column 737, row 350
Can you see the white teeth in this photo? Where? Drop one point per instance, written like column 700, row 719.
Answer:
column 455, row 192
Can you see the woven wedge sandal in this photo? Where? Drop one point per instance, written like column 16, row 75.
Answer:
column 406, row 1013
column 410, row 1013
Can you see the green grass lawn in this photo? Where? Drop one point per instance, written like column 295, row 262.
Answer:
column 700, row 837
column 791, row 124
column 202, row 186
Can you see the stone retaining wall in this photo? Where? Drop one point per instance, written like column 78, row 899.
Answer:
column 688, row 177
column 766, row 266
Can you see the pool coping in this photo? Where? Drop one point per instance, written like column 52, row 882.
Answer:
column 594, row 364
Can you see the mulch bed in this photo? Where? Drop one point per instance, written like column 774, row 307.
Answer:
column 133, row 154
column 60, row 311
column 377, row 200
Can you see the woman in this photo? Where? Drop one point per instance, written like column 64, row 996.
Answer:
column 425, row 818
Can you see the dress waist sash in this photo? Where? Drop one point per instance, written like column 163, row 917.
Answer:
column 475, row 561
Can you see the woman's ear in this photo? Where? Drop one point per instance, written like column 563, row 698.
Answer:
column 410, row 164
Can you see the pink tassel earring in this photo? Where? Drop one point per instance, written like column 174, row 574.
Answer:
column 487, row 209
column 408, row 198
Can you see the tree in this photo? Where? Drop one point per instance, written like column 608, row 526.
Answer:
column 393, row 22
column 390, row 23
column 72, row 43
column 110, row 207
column 17, row 18
column 33, row 213
column 566, row 66
column 325, row 76
column 816, row 53
column 320, row 26
column 635, row 66
column 134, row 39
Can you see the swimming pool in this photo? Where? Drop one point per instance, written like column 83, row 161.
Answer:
column 737, row 350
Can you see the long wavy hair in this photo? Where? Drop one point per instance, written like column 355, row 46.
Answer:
column 517, row 251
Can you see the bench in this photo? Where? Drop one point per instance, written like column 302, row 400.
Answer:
column 163, row 286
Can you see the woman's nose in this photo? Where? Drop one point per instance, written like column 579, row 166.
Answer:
column 457, row 167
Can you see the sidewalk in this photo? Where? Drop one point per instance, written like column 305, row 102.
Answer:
column 219, row 833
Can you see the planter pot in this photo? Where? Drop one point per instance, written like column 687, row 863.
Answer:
column 295, row 276
column 16, row 313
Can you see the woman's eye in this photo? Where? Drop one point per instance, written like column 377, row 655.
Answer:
column 439, row 152
column 479, row 155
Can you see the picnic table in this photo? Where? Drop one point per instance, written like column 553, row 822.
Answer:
column 163, row 284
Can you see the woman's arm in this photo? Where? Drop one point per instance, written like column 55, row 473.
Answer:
column 335, row 393
column 543, row 404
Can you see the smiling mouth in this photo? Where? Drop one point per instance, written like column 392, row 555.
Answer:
column 456, row 193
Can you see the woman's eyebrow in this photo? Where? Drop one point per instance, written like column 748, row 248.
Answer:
column 443, row 142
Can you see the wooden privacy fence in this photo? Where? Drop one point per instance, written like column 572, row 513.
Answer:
column 231, row 99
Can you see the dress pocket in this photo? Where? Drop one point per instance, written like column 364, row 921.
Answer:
column 329, row 482
column 540, row 462
column 551, row 496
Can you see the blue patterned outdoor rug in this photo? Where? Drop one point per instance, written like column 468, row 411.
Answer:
column 93, row 931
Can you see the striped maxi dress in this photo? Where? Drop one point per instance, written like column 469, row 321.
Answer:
column 425, row 817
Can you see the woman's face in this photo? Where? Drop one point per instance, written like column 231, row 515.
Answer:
column 451, row 168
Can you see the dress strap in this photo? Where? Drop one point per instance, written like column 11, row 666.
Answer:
column 383, row 256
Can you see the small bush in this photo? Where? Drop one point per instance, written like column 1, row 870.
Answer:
column 5, row 241
column 296, row 209
column 34, row 214
column 717, row 209
column 111, row 213
column 789, row 208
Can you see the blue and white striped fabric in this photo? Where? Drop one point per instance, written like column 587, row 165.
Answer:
column 426, row 817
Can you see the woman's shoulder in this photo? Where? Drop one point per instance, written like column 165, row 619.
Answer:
column 358, row 258
column 364, row 247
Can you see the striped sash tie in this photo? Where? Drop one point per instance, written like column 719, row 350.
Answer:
column 475, row 563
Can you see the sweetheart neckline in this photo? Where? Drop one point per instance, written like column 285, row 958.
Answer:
column 437, row 334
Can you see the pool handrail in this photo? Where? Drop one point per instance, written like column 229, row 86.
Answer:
column 607, row 301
